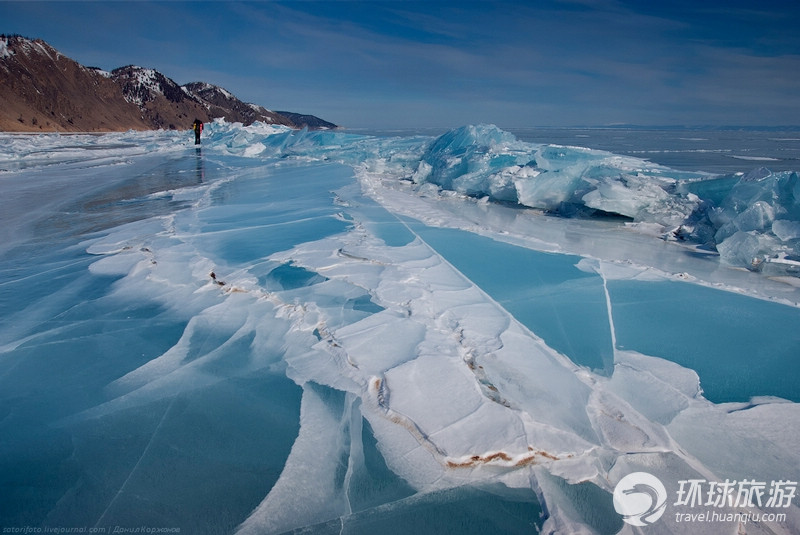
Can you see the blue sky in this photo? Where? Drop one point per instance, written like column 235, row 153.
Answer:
column 388, row 63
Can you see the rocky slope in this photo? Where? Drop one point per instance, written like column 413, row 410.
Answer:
column 220, row 103
column 43, row 90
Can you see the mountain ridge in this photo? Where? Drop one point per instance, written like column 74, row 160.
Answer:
column 43, row 90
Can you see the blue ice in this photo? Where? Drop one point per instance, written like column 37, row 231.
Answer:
column 544, row 291
column 325, row 331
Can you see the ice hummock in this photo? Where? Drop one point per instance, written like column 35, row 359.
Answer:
column 255, row 337
column 697, row 208
column 484, row 161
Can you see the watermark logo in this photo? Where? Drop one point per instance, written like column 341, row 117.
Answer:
column 640, row 498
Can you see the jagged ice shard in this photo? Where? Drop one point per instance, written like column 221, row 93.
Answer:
column 332, row 332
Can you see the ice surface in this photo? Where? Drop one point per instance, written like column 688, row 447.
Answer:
column 571, row 181
column 482, row 160
column 323, row 331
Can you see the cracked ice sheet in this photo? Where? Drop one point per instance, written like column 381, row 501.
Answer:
column 457, row 391
column 628, row 247
column 426, row 379
column 455, row 332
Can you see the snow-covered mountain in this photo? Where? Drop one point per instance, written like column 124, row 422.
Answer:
column 43, row 90
column 140, row 85
column 221, row 103
column 161, row 101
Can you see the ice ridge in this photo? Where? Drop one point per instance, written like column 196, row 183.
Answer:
column 752, row 220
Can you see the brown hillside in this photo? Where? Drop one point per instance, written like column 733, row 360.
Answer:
column 43, row 90
column 162, row 102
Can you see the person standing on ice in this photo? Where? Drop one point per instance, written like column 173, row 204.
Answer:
column 197, row 126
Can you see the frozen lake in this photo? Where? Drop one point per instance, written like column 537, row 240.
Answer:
column 335, row 332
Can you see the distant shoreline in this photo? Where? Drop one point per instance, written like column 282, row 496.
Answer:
column 103, row 132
